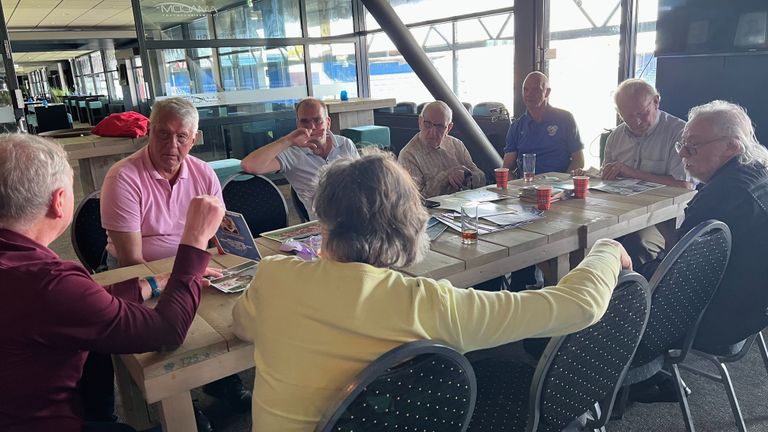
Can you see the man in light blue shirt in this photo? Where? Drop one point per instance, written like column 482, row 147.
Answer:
column 302, row 153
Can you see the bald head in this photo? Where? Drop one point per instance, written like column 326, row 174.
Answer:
column 536, row 91
column 441, row 107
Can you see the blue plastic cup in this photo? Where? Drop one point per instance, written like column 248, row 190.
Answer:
column 344, row 95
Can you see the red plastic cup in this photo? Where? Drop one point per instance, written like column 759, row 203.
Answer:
column 580, row 186
column 502, row 177
column 544, row 197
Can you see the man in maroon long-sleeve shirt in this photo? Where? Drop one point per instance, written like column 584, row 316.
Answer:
column 51, row 311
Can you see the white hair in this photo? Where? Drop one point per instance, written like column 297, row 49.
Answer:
column 178, row 106
column 731, row 120
column 634, row 87
column 438, row 104
column 31, row 169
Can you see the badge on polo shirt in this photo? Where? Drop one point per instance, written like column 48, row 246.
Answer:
column 552, row 130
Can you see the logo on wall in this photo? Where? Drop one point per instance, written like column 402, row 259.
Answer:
column 186, row 10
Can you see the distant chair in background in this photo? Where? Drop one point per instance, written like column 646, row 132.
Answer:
column 259, row 201
column 468, row 106
column 405, row 107
column 88, row 238
column 488, row 109
column 420, row 108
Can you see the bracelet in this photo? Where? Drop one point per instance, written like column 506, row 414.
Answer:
column 153, row 285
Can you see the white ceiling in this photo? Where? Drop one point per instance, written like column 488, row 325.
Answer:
column 63, row 14
column 44, row 19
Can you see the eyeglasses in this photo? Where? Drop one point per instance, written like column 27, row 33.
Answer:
column 640, row 114
column 440, row 127
column 181, row 138
column 692, row 149
column 310, row 121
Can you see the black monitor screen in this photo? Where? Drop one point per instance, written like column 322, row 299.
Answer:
column 711, row 27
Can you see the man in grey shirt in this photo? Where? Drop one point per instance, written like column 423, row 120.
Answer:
column 643, row 147
column 302, row 153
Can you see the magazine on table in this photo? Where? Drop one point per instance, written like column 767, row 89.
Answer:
column 235, row 238
column 626, row 186
column 296, row 232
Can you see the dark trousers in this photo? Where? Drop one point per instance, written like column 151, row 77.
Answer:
column 97, row 388
column 106, row 427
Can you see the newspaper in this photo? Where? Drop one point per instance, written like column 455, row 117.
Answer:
column 626, row 186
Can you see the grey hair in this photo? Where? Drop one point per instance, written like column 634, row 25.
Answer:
column 180, row 107
column 31, row 169
column 372, row 212
column 438, row 104
column 635, row 87
column 731, row 120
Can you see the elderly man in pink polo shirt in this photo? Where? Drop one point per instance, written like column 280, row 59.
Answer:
column 145, row 197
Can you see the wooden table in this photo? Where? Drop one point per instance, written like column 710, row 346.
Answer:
column 354, row 112
column 211, row 350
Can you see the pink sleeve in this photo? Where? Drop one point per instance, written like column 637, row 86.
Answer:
column 120, row 203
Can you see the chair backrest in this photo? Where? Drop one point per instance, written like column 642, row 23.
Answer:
column 258, row 200
column 405, row 107
column 300, row 208
column 681, row 288
column 468, row 106
column 488, row 109
column 89, row 239
column 586, row 368
column 420, row 107
column 420, row 386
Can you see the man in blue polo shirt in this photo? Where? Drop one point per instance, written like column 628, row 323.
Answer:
column 549, row 132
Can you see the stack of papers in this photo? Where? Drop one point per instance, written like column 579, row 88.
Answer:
column 626, row 186
column 528, row 194
column 494, row 217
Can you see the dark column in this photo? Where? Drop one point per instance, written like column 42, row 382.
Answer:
column 477, row 143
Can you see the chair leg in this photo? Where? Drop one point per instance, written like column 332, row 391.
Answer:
column 682, row 398
column 622, row 399
column 763, row 349
column 728, row 384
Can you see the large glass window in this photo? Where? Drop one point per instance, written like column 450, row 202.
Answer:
column 333, row 70
column 474, row 56
column 415, row 11
column 236, row 20
column 583, row 74
column 329, row 17
column 645, row 60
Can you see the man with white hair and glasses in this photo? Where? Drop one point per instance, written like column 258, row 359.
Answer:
column 719, row 149
column 439, row 163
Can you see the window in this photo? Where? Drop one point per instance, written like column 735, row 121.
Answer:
column 329, row 17
column 333, row 70
column 415, row 11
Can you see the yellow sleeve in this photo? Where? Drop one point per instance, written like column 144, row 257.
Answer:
column 468, row 319
column 244, row 313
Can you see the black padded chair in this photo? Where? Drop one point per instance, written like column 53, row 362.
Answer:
column 419, row 386
column 420, row 107
column 258, row 200
column 468, row 106
column 88, row 238
column 578, row 373
column 720, row 358
column 405, row 108
column 300, row 209
column 489, row 109
column 681, row 288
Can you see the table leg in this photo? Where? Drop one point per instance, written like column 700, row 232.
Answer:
column 177, row 414
column 554, row 269
column 135, row 411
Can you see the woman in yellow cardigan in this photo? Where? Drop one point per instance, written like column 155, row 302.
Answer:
column 315, row 325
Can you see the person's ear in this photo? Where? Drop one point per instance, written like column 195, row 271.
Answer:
column 448, row 129
column 547, row 92
column 732, row 147
column 56, row 207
